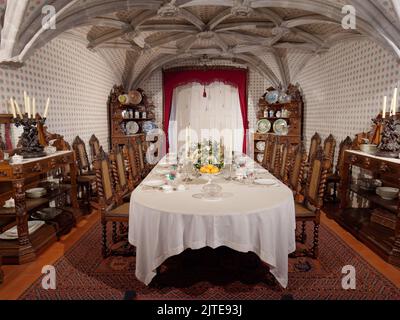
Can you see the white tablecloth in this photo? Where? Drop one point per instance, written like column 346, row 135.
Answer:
column 253, row 218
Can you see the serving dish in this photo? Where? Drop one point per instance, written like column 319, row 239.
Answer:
column 35, row 193
column 387, row 193
column 280, row 127
column 369, row 148
column 263, row 126
column 148, row 126
column 265, row 182
column 272, row 97
column 46, row 214
column 260, row 145
column 12, row 234
column 135, row 97
column 132, row 128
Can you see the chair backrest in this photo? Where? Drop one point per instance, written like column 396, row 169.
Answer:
column 329, row 147
column 316, row 180
column 133, row 165
column 314, row 144
column 104, row 179
column 284, row 161
column 94, row 145
column 140, row 154
column 297, row 168
column 119, row 171
column 267, row 150
column 81, row 155
column 346, row 144
column 274, row 158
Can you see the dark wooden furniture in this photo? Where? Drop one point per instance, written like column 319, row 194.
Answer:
column 294, row 120
column 309, row 210
column 94, row 145
column 118, row 122
column 14, row 180
column 131, row 159
column 285, row 159
column 296, row 173
column 109, row 202
column 1, row 272
column 273, row 163
column 314, row 145
column 377, row 224
column 329, row 148
column 334, row 178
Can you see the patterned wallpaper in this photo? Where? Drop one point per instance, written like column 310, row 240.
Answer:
column 77, row 81
column 344, row 88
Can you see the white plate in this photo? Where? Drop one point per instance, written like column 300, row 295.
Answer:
column 153, row 183
column 260, row 157
column 260, row 145
column 260, row 170
column 13, row 233
column 163, row 171
column 132, row 128
column 265, row 182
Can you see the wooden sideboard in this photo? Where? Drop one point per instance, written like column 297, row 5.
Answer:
column 373, row 220
column 15, row 179
column 1, row 271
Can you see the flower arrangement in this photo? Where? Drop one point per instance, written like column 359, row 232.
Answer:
column 208, row 152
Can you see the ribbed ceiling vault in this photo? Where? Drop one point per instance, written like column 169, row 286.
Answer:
column 136, row 37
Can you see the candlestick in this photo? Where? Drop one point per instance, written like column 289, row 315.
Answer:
column 28, row 103
column 25, row 104
column 394, row 101
column 33, row 108
column 47, row 108
column 384, row 107
column 18, row 109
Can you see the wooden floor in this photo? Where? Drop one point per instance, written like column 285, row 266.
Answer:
column 19, row 278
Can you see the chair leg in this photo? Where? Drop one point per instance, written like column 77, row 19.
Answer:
column 315, row 249
column 303, row 236
column 104, row 240
column 114, row 232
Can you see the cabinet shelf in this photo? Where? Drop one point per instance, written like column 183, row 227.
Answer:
column 390, row 205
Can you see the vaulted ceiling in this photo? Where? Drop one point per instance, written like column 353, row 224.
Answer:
column 136, row 37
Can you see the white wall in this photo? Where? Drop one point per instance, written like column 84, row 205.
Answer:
column 77, row 81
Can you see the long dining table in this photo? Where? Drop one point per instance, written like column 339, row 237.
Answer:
column 247, row 218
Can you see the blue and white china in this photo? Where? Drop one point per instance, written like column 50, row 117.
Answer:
column 272, row 97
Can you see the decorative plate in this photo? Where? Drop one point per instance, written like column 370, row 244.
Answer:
column 281, row 127
column 132, row 128
column 263, row 126
column 260, row 145
column 272, row 97
column 260, row 157
column 135, row 97
column 285, row 98
column 148, row 126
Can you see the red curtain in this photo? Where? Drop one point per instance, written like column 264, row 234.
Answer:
column 233, row 77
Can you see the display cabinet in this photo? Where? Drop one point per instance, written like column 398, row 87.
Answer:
column 15, row 179
column 372, row 219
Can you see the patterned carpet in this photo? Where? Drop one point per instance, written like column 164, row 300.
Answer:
column 219, row 274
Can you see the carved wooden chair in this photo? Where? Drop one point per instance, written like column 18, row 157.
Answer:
column 133, row 165
column 121, row 182
column 94, row 145
column 87, row 178
column 110, row 209
column 140, row 151
column 285, row 161
column 309, row 210
column 296, row 174
column 335, row 177
column 267, row 150
column 314, row 145
column 274, row 157
column 329, row 149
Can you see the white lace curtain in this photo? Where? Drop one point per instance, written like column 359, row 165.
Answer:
column 218, row 114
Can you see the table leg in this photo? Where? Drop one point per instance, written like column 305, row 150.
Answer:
column 74, row 190
column 26, row 250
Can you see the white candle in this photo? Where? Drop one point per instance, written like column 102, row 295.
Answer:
column 25, row 103
column 12, row 108
column 18, row 109
column 394, row 101
column 384, row 107
column 28, row 103
column 47, row 108
column 33, row 108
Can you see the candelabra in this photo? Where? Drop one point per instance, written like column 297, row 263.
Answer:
column 390, row 138
column 30, row 146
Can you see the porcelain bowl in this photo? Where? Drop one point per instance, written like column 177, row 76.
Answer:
column 387, row 193
column 369, row 148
